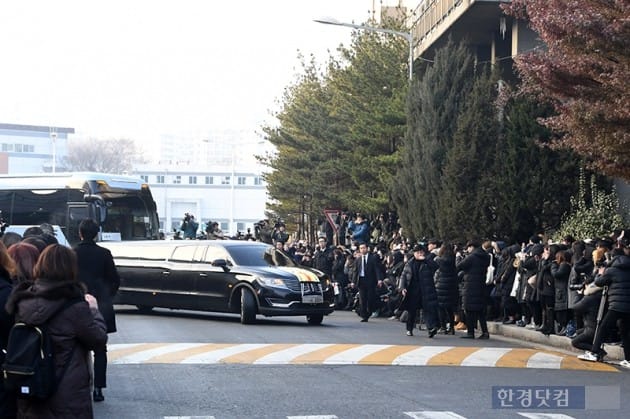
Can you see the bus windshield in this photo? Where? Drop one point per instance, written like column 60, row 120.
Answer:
column 122, row 205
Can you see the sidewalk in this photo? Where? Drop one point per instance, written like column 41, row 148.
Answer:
column 615, row 353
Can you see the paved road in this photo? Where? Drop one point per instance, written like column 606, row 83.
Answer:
column 185, row 364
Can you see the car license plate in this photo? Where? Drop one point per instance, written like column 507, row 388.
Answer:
column 312, row 299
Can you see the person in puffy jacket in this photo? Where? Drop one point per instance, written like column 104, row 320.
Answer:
column 446, row 287
column 617, row 278
column 74, row 331
column 418, row 290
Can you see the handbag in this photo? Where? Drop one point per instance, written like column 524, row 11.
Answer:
column 490, row 273
column 516, row 285
column 532, row 280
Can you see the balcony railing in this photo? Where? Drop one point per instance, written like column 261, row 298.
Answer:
column 431, row 13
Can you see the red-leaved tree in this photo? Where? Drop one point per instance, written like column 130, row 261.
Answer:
column 584, row 71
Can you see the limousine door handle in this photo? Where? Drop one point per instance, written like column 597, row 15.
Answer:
column 202, row 274
column 166, row 273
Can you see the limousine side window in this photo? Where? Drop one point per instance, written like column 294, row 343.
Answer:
column 213, row 253
column 188, row 254
column 140, row 252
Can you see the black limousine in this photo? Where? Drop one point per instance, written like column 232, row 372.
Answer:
column 227, row 276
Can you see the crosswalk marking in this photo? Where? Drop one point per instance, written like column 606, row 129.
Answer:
column 484, row 357
column 345, row 354
column 544, row 360
column 427, row 414
column 424, row 414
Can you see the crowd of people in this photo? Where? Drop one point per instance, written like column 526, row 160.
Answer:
column 553, row 288
column 69, row 293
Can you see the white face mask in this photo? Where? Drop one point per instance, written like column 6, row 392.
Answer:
column 353, row 248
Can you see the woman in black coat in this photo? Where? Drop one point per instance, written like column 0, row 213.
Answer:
column 474, row 268
column 446, row 287
column 546, row 289
column 418, row 290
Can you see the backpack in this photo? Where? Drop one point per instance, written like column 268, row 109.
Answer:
column 29, row 367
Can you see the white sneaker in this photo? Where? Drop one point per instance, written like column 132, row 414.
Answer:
column 625, row 363
column 588, row 356
column 530, row 326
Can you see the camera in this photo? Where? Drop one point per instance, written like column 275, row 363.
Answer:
column 187, row 216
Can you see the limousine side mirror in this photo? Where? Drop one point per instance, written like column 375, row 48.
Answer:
column 222, row 263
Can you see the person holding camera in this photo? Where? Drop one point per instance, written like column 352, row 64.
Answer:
column 189, row 227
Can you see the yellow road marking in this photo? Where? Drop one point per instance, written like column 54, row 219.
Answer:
column 179, row 356
column 248, row 357
column 320, row 355
column 115, row 354
column 386, row 356
column 453, row 356
column 516, row 358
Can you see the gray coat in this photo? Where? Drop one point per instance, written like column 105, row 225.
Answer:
column 560, row 275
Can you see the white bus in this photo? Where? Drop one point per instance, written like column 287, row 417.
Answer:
column 122, row 205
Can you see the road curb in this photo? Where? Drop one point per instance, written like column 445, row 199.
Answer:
column 561, row 342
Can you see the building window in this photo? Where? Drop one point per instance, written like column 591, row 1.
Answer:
column 192, row 180
column 242, row 180
column 18, row 148
column 159, row 179
column 177, row 180
column 144, row 178
column 224, row 226
column 209, row 180
column 240, row 227
column 225, row 180
column 258, row 181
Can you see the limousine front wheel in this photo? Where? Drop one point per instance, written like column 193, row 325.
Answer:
column 315, row 318
column 248, row 307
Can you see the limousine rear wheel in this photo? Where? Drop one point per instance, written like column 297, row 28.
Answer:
column 248, row 307
column 315, row 318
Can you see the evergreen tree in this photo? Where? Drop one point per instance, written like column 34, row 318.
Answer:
column 433, row 107
column 466, row 200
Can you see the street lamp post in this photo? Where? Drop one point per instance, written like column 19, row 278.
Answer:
column 407, row 35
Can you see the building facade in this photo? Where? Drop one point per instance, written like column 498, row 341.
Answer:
column 32, row 148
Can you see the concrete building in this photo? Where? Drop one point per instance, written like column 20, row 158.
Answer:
column 32, row 148
column 216, row 178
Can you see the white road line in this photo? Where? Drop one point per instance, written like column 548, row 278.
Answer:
column 545, row 415
column 313, row 417
column 427, row 414
column 285, row 356
column 484, row 357
column 543, row 360
column 420, row 356
column 188, row 417
column 354, row 355
column 143, row 356
column 213, row 357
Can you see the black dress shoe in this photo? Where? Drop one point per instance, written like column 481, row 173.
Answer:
column 467, row 336
column 98, row 395
column 364, row 320
column 484, row 336
column 432, row 332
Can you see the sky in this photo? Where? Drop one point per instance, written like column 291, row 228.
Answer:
column 143, row 68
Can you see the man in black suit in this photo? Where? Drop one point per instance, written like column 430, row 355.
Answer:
column 98, row 272
column 368, row 274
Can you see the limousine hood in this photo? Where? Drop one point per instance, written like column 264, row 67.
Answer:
column 302, row 275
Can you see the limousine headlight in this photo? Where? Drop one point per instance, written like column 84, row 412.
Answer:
column 272, row 282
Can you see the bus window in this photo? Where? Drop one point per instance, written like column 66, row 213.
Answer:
column 76, row 214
